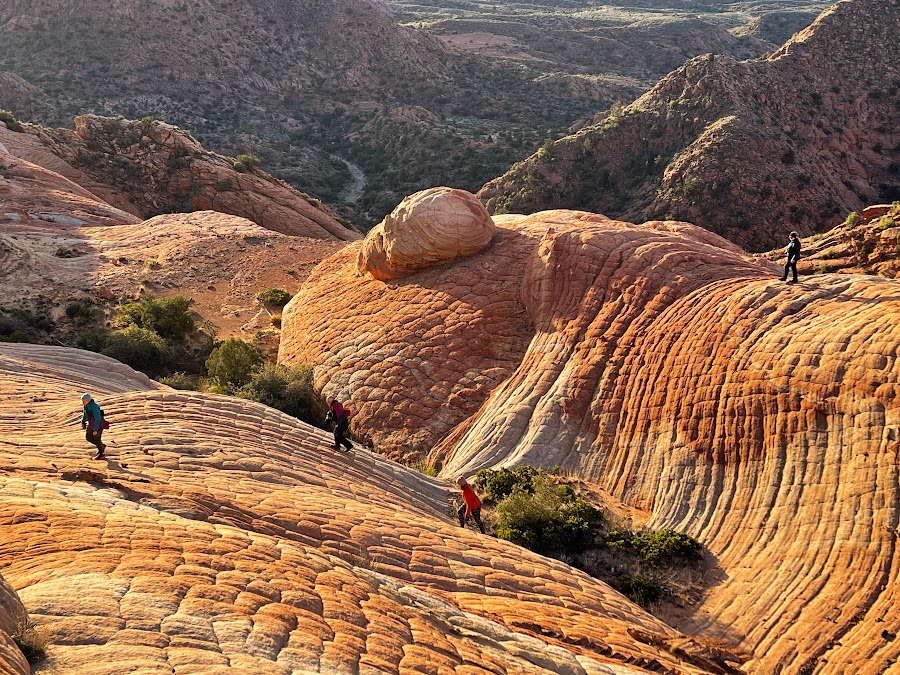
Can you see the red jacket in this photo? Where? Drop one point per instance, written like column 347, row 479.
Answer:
column 471, row 499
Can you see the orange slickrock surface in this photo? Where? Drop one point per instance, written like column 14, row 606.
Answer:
column 677, row 373
column 223, row 536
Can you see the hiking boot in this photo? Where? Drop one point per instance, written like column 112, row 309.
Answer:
column 100, row 455
column 783, row 279
column 793, row 281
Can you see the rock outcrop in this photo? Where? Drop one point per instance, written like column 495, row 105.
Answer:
column 867, row 242
column 427, row 229
column 749, row 150
column 163, row 169
column 675, row 372
column 197, row 546
column 13, row 619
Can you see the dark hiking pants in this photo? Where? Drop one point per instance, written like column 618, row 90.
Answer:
column 476, row 516
column 790, row 265
column 340, row 438
column 94, row 437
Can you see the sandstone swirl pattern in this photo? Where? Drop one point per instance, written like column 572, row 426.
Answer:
column 678, row 374
column 427, row 229
column 222, row 537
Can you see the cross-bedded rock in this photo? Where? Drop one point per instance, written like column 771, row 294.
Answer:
column 222, row 536
column 427, row 229
column 678, row 374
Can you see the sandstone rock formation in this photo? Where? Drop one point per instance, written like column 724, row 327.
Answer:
column 678, row 375
column 749, row 150
column 163, row 169
column 427, row 229
column 867, row 242
column 198, row 547
column 12, row 617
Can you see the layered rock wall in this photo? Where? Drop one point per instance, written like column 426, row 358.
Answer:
column 680, row 375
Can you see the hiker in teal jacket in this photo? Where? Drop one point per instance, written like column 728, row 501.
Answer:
column 92, row 420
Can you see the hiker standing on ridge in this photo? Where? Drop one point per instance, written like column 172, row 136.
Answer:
column 92, row 420
column 471, row 505
column 338, row 414
column 793, row 255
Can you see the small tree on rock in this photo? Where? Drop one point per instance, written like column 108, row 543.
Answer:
column 232, row 363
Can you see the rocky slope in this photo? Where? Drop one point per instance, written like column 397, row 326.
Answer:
column 867, row 242
column 163, row 169
column 274, row 77
column 749, row 150
column 63, row 241
column 673, row 370
column 197, row 546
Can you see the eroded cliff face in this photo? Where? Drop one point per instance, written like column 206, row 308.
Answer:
column 13, row 618
column 679, row 374
column 222, row 536
column 750, row 150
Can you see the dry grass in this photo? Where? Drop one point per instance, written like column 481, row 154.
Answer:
column 31, row 641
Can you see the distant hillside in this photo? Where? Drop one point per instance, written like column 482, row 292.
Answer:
column 748, row 150
column 306, row 85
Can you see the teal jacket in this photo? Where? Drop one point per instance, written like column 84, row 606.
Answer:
column 93, row 414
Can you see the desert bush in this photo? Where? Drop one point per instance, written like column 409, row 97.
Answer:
column 181, row 380
column 289, row 390
column 10, row 120
column 245, row 162
column 637, row 588
column 231, row 364
column 15, row 330
column 169, row 317
column 663, row 547
column 82, row 309
column 94, row 340
column 140, row 348
column 497, row 484
column 274, row 296
column 31, row 641
column 552, row 517
column 852, row 220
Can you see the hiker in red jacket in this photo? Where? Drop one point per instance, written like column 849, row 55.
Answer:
column 338, row 414
column 471, row 505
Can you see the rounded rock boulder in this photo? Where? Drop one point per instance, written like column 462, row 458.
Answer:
column 427, row 229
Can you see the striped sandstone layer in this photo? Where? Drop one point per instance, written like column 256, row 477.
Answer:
column 223, row 536
column 678, row 374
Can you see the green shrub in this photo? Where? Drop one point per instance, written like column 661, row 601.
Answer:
column 274, row 296
column 637, row 588
column 81, row 310
column 232, row 363
column 289, row 390
column 93, row 340
column 181, row 380
column 852, row 220
column 31, row 641
column 10, row 120
column 246, row 162
column 497, row 484
column 552, row 517
column 169, row 317
column 140, row 348
column 664, row 547
column 13, row 329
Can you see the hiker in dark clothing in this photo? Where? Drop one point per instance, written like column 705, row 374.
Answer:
column 471, row 505
column 793, row 255
column 338, row 415
column 92, row 421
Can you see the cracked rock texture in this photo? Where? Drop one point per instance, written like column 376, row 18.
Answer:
column 677, row 374
column 223, row 536
column 427, row 229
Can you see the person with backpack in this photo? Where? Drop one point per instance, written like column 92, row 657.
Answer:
column 337, row 414
column 471, row 505
column 793, row 255
column 92, row 420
